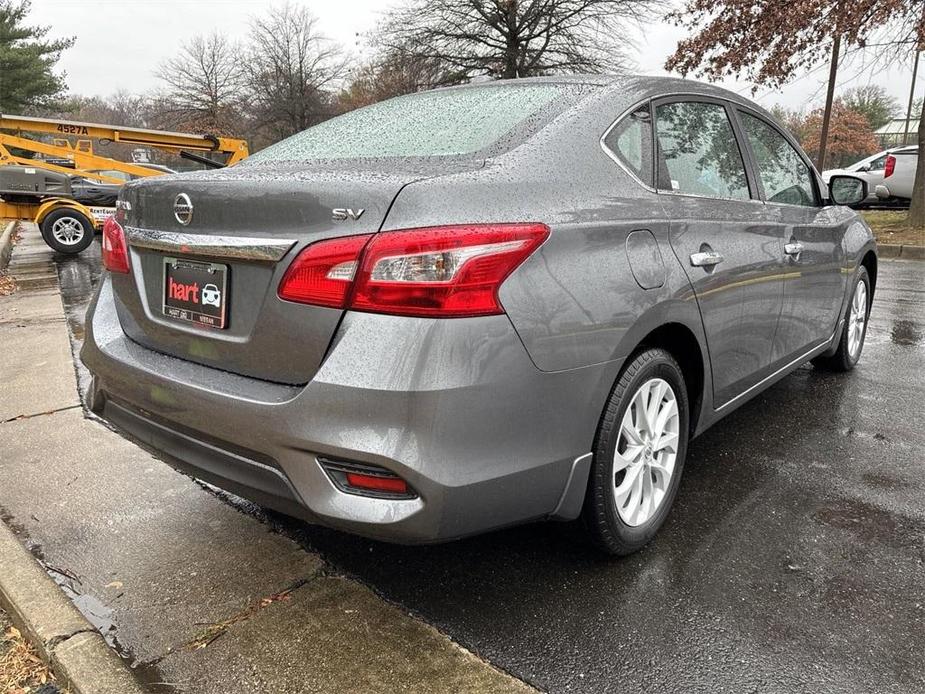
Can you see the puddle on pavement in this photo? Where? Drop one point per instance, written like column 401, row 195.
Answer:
column 98, row 614
column 905, row 332
column 78, row 276
column 871, row 524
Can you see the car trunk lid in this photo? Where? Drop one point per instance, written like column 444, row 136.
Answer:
column 249, row 221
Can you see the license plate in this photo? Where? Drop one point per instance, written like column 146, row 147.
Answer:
column 196, row 292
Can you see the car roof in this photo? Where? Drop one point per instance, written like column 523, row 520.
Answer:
column 631, row 87
column 635, row 82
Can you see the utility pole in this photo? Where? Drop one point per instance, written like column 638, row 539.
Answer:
column 915, row 70
column 829, row 95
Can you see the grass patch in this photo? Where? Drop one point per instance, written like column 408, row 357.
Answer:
column 889, row 226
column 21, row 669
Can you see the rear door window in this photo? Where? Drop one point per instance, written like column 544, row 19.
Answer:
column 630, row 140
column 784, row 175
column 697, row 150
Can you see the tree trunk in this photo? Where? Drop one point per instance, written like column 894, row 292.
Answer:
column 829, row 94
column 916, row 217
column 512, row 44
column 915, row 72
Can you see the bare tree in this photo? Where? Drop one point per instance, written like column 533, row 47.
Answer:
column 505, row 39
column 120, row 108
column 205, row 82
column 292, row 70
column 874, row 102
column 392, row 73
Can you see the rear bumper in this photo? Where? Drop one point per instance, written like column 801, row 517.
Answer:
column 455, row 407
column 884, row 192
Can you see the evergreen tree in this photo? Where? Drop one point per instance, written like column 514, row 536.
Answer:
column 27, row 61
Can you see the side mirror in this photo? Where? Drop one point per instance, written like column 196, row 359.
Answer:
column 847, row 190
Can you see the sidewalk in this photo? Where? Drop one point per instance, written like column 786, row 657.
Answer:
column 195, row 595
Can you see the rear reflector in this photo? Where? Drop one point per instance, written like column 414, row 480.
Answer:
column 115, row 250
column 442, row 272
column 366, row 480
column 890, row 166
column 392, row 485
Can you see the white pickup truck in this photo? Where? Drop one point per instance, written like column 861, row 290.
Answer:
column 898, row 175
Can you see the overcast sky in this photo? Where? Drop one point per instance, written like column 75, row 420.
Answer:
column 120, row 43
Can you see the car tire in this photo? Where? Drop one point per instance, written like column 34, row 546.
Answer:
column 651, row 379
column 67, row 231
column 851, row 341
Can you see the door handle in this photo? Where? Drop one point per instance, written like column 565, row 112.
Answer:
column 706, row 259
column 793, row 248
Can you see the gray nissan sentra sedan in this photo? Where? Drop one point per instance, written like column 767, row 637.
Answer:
column 474, row 307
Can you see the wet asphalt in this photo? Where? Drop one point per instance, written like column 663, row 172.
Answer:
column 794, row 560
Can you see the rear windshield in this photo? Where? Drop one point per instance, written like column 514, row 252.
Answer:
column 429, row 124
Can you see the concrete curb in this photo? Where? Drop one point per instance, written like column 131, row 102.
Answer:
column 6, row 245
column 73, row 649
column 903, row 251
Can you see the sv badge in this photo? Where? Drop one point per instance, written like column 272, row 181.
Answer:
column 339, row 214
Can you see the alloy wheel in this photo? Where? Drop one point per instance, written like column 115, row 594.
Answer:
column 67, row 231
column 857, row 319
column 646, row 452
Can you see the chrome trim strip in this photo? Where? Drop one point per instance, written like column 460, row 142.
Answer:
column 616, row 158
column 821, row 347
column 259, row 250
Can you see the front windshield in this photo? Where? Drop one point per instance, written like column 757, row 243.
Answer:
column 437, row 123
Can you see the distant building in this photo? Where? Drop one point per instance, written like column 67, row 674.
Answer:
column 891, row 134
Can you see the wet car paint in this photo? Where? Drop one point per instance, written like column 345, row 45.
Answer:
column 406, row 395
column 794, row 560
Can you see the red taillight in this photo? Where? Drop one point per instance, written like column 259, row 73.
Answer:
column 115, row 250
column 391, row 485
column 890, row 166
column 442, row 272
column 323, row 273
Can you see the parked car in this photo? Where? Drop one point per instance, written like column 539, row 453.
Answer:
column 93, row 192
column 899, row 175
column 474, row 307
column 869, row 169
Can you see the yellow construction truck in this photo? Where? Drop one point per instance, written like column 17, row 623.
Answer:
column 42, row 189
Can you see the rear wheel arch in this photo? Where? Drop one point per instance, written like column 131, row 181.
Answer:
column 681, row 342
column 638, row 455
column 869, row 261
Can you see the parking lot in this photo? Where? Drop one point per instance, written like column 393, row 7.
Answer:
column 793, row 561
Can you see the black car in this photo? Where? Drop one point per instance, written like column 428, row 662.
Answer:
column 91, row 192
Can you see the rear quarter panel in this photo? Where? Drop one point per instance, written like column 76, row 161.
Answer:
column 903, row 178
column 576, row 301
